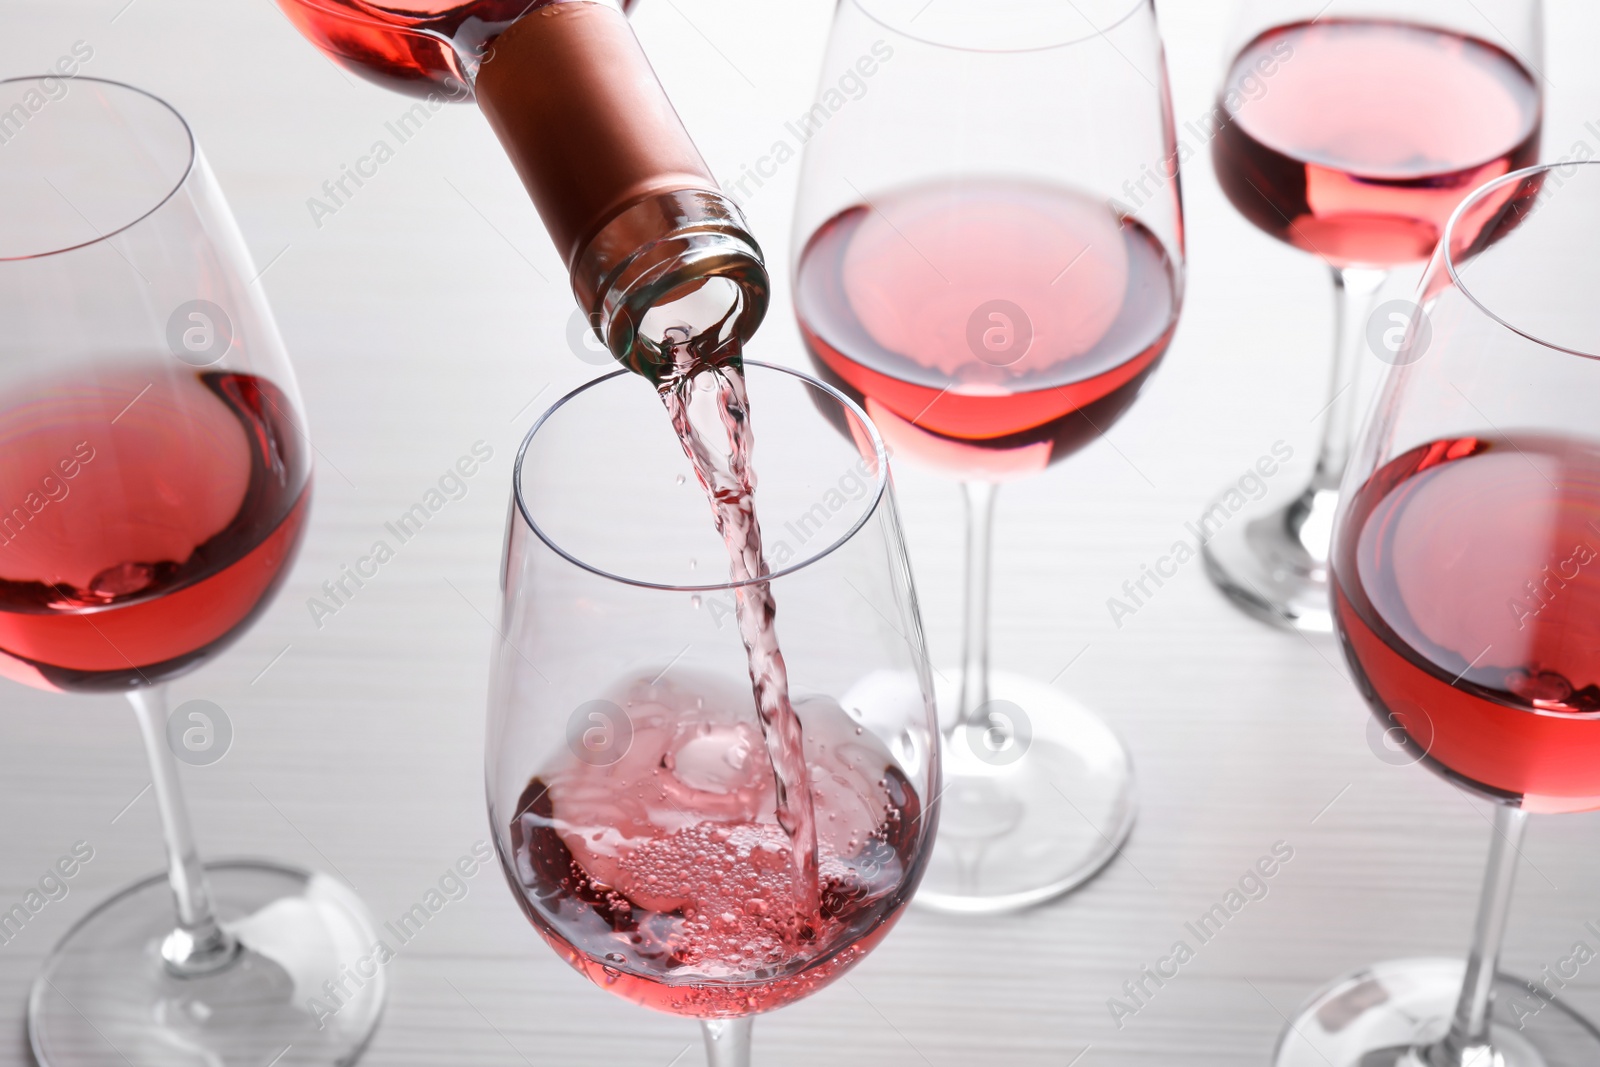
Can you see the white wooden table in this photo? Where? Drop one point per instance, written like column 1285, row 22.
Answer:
column 430, row 313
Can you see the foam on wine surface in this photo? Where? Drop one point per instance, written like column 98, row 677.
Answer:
column 666, row 877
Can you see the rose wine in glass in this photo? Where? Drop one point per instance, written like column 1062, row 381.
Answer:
column 154, row 489
column 1367, row 133
column 987, row 292
column 169, row 511
column 1469, row 595
column 705, row 889
column 632, row 791
column 993, row 390
column 1464, row 571
column 1354, row 138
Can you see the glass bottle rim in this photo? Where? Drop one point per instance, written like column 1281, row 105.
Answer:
column 870, row 502
column 1447, row 248
column 1134, row 6
column 183, row 178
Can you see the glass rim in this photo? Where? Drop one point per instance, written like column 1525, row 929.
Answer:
column 872, row 501
column 1099, row 32
column 1447, row 247
column 188, row 168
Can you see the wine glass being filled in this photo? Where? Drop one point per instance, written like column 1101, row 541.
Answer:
column 704, row 812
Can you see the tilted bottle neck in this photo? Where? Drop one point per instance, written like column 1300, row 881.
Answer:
column 627, row 198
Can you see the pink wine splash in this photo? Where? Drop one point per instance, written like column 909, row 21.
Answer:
column 665, row 877
column 709, row 405
column 1366, row 134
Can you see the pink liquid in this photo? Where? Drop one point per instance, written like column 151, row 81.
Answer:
column 1356, row 140
column 405, row 45
column 989, row 327
column 1468, row 599
column 666, row 878
column 147, row 515
column 710, row 411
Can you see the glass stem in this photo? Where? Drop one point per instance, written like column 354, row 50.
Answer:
column 1468, row 1040
column 1354, row 289
column 199, row 944
column 975, row 637
column 727, row 1041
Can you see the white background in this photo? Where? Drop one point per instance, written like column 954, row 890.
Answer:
column 430, row 312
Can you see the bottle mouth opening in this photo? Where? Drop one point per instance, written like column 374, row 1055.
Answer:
column 681, row 258
column 696, row 291
column 84, row 159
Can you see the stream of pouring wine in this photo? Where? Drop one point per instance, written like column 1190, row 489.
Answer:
column 707, row 401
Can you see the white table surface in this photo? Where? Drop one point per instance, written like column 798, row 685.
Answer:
column 431, row 312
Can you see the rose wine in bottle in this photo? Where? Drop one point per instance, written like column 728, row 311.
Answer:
column 648, row 239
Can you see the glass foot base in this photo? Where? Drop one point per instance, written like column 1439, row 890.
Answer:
column 306, row 989
column 1389, row 1015
column 1274, row 564
column 1036, row 801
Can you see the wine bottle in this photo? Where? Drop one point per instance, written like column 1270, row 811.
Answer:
column 652, row 246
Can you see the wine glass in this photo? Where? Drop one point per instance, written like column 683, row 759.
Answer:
column 1351, row 130
column 1466, row 577
column 630, row 790
column 992, row 266
column 156, row 485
